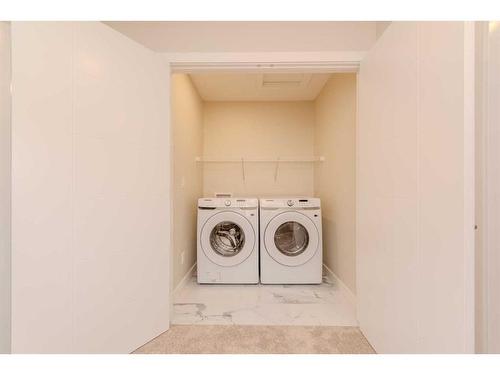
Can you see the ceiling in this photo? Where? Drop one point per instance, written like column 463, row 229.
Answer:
column 250, row 36
column 258, row 87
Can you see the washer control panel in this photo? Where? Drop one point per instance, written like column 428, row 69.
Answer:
column 228, row 202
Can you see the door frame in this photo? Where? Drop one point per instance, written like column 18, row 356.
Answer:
column 232, row 62
column 487, row 241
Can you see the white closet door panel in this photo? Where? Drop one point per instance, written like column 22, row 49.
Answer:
column 443, row 197
column 387, row 192
column 414, row 223
column 121, row 194
column 115, row 210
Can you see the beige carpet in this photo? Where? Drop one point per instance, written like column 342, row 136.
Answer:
column 237, row 339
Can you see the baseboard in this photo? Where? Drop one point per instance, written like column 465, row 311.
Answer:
column 184, row 280
column 348, row 293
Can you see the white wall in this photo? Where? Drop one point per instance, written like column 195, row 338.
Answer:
column 492, row 181
column 335, row 179
column 415, row 190
column 90, row 197
column 250, row 36
column 258, row 130
column 5, row 187
column 187, row 128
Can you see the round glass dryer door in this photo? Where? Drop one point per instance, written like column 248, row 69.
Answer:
column 291, row 238
column 227, row 238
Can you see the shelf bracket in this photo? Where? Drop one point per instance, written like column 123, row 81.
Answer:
column 243, row 168
column 276, row 170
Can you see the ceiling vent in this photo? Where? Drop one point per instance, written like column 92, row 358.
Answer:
column 285, row 80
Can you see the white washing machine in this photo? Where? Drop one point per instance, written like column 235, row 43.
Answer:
column 228, row 244
column 291, row 250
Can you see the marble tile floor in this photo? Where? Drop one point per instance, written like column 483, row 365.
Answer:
column 301, row 305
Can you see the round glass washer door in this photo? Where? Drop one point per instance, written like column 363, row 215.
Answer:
column 291, row 238
column 227, row 238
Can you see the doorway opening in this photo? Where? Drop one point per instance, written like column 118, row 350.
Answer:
column 261, row 134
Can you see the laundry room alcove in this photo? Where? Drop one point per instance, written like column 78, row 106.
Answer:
column 265, row 135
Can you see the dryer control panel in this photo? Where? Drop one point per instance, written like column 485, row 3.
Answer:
column 295, row 203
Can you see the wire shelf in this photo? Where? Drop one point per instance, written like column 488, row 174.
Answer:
column 200, row 159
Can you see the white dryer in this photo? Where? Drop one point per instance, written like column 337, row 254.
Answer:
column 290, row 241
column 228, row 245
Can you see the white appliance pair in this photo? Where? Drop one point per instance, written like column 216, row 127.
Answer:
column 286, row 230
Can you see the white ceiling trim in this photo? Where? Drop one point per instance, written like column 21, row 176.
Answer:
column 312, row 62
column 331, row 67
